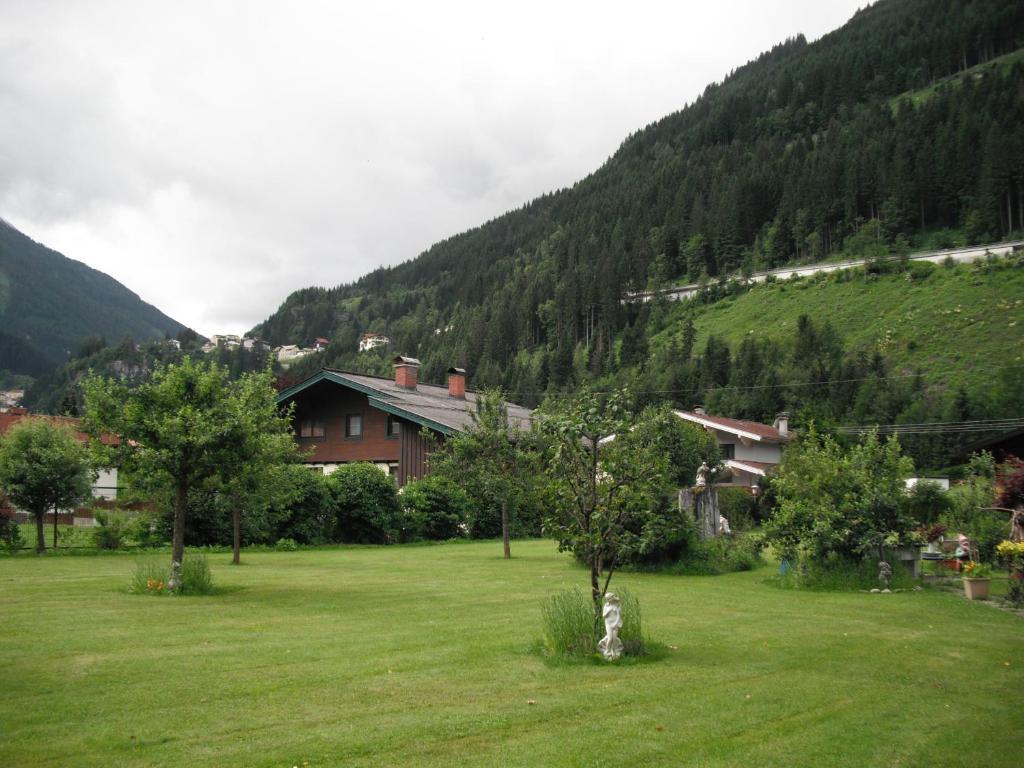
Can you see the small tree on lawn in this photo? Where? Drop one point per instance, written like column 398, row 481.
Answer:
column 845, row 503
column 263, row 441
column 42, row 468
column 606, row 471
column 176, row 429
column 491, row 458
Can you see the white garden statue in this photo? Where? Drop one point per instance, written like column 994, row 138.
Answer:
column 610, row 645
column 702, row 475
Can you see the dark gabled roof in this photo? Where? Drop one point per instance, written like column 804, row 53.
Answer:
column 428, row 405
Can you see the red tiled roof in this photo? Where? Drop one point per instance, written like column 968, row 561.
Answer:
column 753, row 429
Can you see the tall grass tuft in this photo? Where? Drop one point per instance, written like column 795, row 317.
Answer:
column 152, row 578
column 571, row 630
column 196, row 578
column 149, row 578
column 567, row 619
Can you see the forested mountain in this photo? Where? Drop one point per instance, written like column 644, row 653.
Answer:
column 49, row 303
column 903, row 128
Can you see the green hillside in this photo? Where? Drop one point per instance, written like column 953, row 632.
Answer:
column 957, row 325
column 49, row 303
column 810, row 151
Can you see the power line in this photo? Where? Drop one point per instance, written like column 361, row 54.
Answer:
column 937, row 427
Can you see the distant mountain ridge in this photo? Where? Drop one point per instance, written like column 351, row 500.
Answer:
column 49, row 303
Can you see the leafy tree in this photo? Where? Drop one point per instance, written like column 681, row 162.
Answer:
column 607, row 473
column 176, row 429
column 836, row 502
column 43, row 468
column 262, row 441
column 492, row 461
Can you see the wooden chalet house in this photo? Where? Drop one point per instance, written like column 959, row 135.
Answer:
column 343, row 417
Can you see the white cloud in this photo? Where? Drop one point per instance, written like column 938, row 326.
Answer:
column 216, row 156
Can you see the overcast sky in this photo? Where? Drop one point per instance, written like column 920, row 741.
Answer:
column 215, row 156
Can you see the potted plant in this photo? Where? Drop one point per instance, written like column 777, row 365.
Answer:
column 977, row 578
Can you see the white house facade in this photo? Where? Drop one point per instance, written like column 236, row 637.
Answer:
column 749, row 449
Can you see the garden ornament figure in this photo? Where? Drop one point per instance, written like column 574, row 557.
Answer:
column 175, row 581
column 884, row 574
column 610, row 645
column 702, row 475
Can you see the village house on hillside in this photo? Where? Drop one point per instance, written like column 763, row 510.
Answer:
column 749, row 449
column 370, row 341
column 344, row 417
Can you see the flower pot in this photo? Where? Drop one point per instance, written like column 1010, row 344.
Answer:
column 976, row 589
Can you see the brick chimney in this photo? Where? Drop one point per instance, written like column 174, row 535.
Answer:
column 406, row 371
column 457, row 383
column 782, row 423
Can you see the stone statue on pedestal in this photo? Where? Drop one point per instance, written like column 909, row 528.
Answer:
column 610, row 645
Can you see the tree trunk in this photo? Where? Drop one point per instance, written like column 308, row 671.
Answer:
column 504, row 529
column 595, row 595
column 178, row 537
column 54, row 527
column 236, row 525
column 40, row 535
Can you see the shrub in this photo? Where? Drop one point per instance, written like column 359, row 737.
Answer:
column 146, row 530
column 723, row 554
column 571, row 630
column 365, row 504
column 111, row 531
column 737, row 505
column 435, row 509
column 286, row 545
column 11, row 539
column 305, row 515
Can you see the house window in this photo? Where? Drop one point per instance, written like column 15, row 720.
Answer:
column 728, row 450
column 311, row 428
column 394, row 427
column 354, row 426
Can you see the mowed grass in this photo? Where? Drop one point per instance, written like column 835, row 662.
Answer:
column 422, row 656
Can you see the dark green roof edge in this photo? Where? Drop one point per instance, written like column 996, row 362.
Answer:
column 331, row 376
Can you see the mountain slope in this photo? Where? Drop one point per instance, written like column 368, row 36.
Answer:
column 49, row 302
column 811, row 150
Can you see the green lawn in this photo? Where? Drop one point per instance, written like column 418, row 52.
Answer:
column 421, row 656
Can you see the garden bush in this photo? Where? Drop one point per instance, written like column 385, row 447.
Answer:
column 571, row 630
column 738, row 506
column 304, row 511
column 722, row 554
column 435, row 508
column 286, row 545
column 11, row 539
column 149, row 578
column 365, row 505
column 112, row 529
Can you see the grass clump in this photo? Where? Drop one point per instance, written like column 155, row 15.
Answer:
column 571, row 629
column 836, row 574
column 152, row 578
